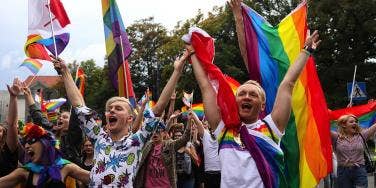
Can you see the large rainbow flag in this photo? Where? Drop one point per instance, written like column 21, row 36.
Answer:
column 366, row 114
column 270, row 51
column 118, row 49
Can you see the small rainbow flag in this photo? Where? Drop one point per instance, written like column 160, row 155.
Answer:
column 197, row 108
column 54, row 104
column 32, row 64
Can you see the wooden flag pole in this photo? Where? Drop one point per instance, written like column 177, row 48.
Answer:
column 52, row 27
column 352, row 87
column 124, row 69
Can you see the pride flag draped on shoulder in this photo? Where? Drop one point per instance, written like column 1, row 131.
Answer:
column 270, row 51
column 40, row 33
column 118, row 49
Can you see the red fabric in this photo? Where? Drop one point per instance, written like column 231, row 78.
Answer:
column 355, row 110
column 37, row 51
column 58, row 10
column 204, row 48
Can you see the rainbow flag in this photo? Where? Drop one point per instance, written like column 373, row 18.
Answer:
column 118, row 49
column 270, row 51
column 366, row 114
column 32, row 64
column 80, row 80
column 53, row 104
column 233, row 83
column 197, row 108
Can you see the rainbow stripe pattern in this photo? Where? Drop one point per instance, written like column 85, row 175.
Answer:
column 197, row 108
column 270, row 51
column 118, row 49
column 32, row 64
column 366, row 114
column 54, row 104
column 233, row 83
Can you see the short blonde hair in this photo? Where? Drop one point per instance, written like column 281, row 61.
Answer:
column 342, row 121
column 260, row 89
column 121, row 99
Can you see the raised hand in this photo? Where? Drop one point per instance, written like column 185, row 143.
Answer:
column 235, row 7
column 180, row 61
column 15, row 89
column 59, row 65
column 312, row 41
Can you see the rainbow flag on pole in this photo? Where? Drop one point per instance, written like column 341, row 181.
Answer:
column 270, row 51
column 32, row 64
column 53, row 104
column 118, row 49
column 197, row 108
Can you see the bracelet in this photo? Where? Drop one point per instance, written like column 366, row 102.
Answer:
column 309, row 49
column 191, row 54
column 306, row 52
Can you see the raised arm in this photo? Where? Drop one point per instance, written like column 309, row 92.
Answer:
column 209, row 96
column 138, row 121
column 172, row 104
column 239, row 24
column 11, row 139
column 170, row 86
column 198, row 123
column 77, row 173
column 282, row 106
column 35, row 112
column 73, row 93
column 370, row 132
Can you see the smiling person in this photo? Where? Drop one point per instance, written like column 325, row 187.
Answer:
column 45, row 167
column 240, row 168
column 349, row 149
column 117, row 152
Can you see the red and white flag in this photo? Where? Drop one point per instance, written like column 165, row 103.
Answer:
column 39, row 18
column 204, row 50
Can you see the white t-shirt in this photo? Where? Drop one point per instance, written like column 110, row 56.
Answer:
column 211, row 157
column 238, row 168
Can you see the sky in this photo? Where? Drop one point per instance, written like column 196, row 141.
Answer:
column 86, row 29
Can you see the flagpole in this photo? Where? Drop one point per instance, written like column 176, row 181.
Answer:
column 352, row 87
column 124, row 69
column 31, row 81
column 78, row 67
column 52, row 27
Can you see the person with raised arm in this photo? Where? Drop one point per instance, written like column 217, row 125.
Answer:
column 244, row 148
column 117, row 153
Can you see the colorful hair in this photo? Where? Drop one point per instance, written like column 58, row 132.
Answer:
column 50, row 145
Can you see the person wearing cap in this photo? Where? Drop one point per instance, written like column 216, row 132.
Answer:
column 117, row 152
column 44, row 167
column 158, row 163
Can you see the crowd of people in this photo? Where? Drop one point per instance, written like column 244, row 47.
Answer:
column 146, row 147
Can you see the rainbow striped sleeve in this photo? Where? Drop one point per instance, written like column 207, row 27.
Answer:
column 270, row 51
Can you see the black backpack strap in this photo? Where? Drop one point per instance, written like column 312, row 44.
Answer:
column 270, row 130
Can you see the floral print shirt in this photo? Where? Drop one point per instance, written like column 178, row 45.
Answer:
column 115, row 162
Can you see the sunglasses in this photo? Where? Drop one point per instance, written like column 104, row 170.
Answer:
column 30, row 141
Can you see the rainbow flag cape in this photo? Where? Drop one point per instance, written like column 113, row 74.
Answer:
column 118, row 49
column 366, row 114
column 32, row 64
column 197, row 108
column 270, row 51
column 53, row 104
